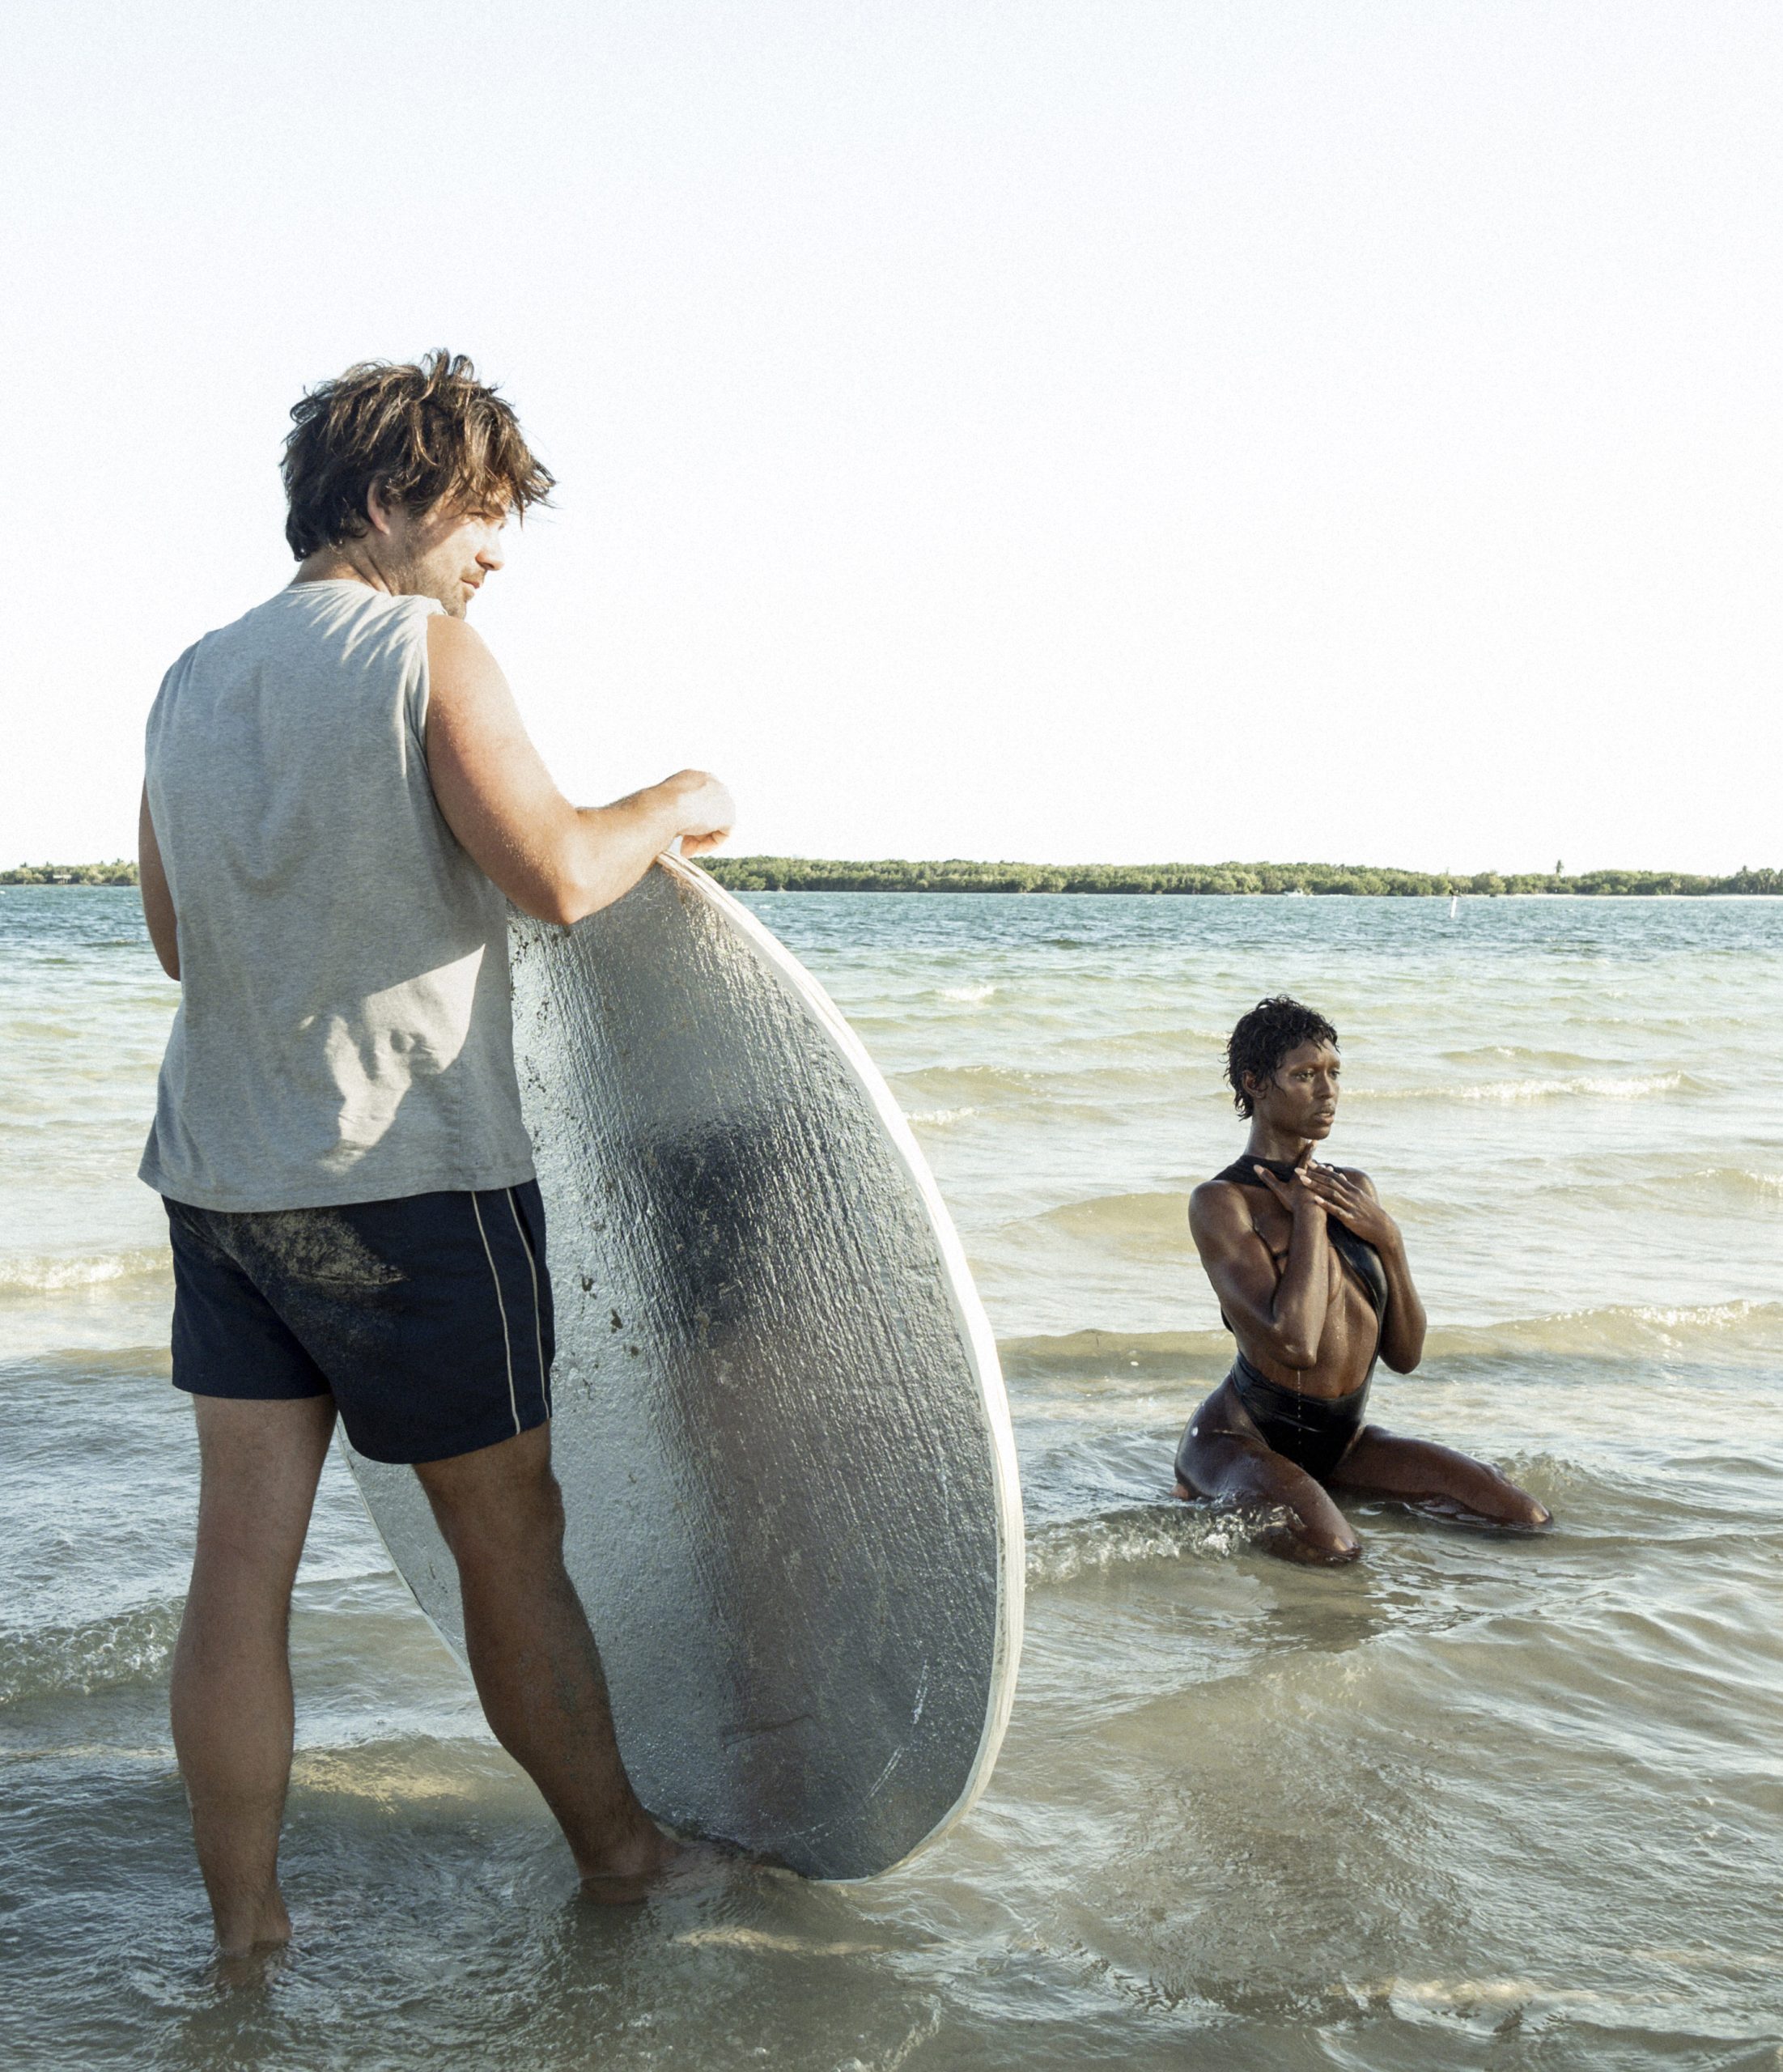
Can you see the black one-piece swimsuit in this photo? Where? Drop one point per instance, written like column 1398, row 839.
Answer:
column 1314, row 1432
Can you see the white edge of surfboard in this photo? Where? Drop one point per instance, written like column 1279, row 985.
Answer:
column 987, row 1368
column 344, row 1446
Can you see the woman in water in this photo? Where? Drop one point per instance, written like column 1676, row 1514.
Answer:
column 1312, row 1278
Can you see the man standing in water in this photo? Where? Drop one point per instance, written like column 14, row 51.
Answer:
column 340, row 800
column 1313, row 1281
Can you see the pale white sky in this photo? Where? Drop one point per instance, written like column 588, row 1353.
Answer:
column 1067, row 429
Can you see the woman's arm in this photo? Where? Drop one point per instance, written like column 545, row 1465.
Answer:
column 1283, row 1314
column 1351, row 1199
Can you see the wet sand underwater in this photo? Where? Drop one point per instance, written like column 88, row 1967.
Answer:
column 1472, row 1802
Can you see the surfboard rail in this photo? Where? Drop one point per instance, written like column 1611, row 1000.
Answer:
column 975, row 1327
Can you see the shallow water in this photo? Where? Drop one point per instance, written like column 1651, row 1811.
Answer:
column 1473, row 1802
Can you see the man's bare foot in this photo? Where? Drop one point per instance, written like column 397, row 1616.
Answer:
column 674, row 1866
column 257, row 1946
column 243, row 1930
column 256, row 1967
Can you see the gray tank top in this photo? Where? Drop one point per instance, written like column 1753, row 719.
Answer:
column 344, row 1030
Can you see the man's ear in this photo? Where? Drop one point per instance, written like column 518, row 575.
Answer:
column 378, row 506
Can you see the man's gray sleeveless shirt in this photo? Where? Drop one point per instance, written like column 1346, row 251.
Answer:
column 344, row 1028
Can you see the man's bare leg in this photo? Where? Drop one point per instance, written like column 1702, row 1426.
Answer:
column 231, row 1698
column 536, row 1668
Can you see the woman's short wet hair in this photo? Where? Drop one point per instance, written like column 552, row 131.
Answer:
column 422, row 433
column 1264, row 1037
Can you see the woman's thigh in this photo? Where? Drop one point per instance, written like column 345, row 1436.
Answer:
column 1418, row 1472
column 1237, row 1468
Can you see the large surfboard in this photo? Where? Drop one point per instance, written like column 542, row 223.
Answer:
column 780, row 1427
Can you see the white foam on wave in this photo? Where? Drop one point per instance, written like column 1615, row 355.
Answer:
column 938, row 1118
column 1616, row 1330
column 1602, row 1086
column 126, row 1649
column 1464, row 1994
column 49, row 1273
column 968, row 995
column 1763, row 1183
column 1707, row 1316
column 1106, row 1546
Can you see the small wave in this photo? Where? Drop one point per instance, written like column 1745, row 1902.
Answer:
column 1152, row 1222
column 968, row 995
column 1517, row 1054
column 1599, row 1086
column 1172, row 1047
column 58, row 1660
column 79, row 1365
column 962, row 1085
column 42, row 1273
column 1718, row 1184
column 1617, row 1329
column 1149, row 1356
column 1614, row 1331
column 938, row 1118
column 1738, row 1180
column 1068, row 1084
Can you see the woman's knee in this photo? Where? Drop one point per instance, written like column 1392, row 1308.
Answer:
column 1325, row 1540
column 1298, row 1517
column 1521, row 1509
column 1501, row 1502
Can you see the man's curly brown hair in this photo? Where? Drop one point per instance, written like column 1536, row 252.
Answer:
column 421, row 434
column 1264, row 1037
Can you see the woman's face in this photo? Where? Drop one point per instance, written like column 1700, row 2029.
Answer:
column 1300, row 1096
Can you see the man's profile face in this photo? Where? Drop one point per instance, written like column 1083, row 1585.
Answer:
column 445, row 553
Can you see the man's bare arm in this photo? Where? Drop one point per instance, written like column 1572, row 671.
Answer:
column 555, row 861
column 151, row 882
column 1283, row 1313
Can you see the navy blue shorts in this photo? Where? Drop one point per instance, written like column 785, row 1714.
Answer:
column 428, row 1319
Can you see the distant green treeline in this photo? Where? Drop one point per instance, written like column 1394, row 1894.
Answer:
column 811, row 874
column 960, row 874
column 120, row 872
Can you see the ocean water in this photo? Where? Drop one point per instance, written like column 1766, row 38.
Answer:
column 1473, row 1802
